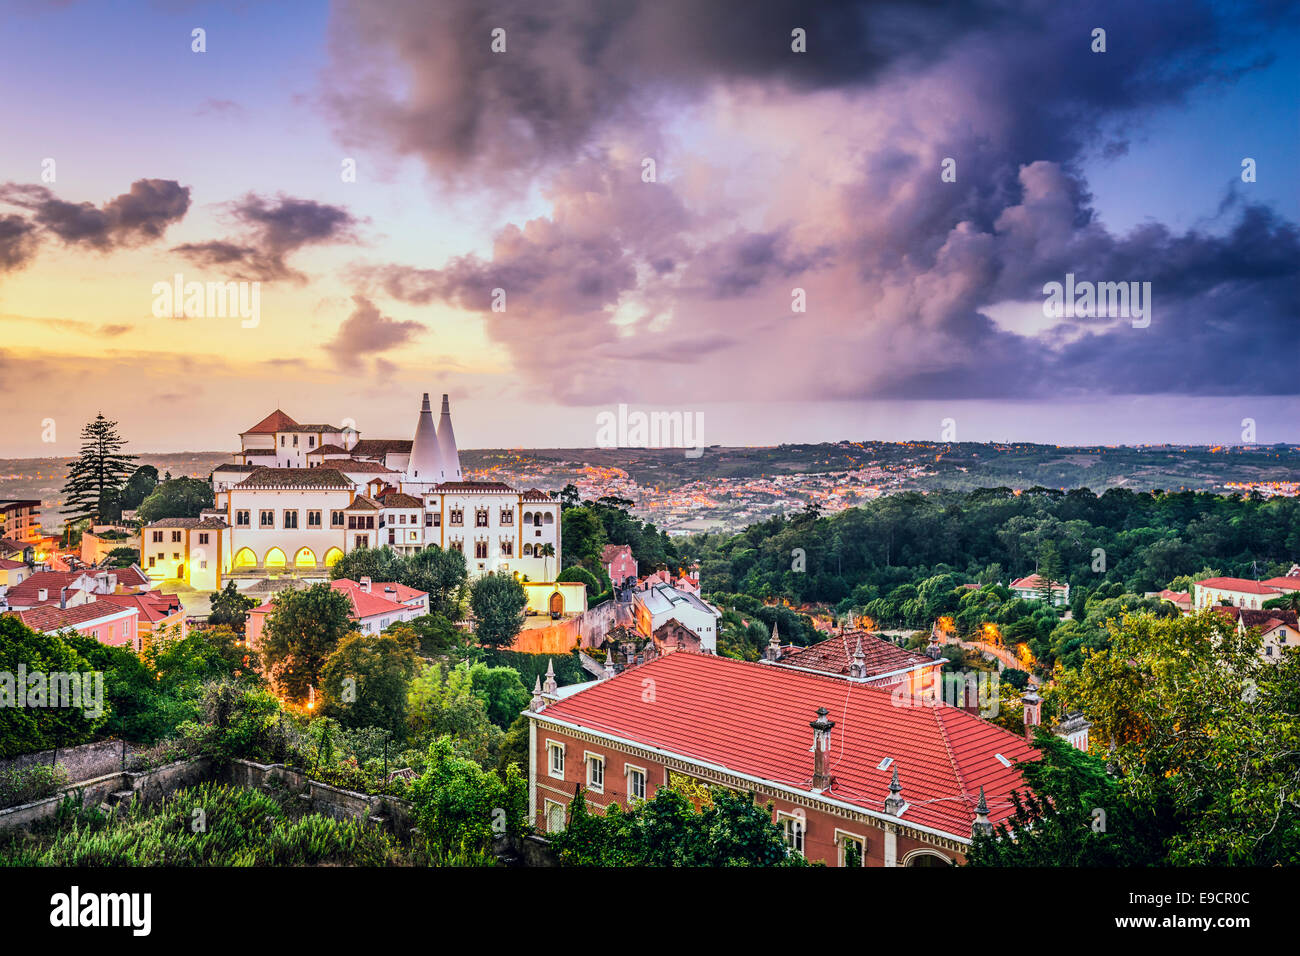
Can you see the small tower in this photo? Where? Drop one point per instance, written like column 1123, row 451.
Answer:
column 982, row 824
column 858, row 666
column 538, row 701
column 821, row 778
column 610, row 670
column 1033, row 711
column 894, row 803
column 549, row 687
column 773, row 650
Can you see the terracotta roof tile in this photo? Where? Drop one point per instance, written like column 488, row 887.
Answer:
column 277, row 421
column 753, row 719
column 295, row 478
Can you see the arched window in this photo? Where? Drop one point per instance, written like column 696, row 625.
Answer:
column 528, row 551
column 275, row 559
column 305, row 558
column 331, row 556
column 244, row 558
column 548, row 518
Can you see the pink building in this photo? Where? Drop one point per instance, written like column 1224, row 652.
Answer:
column 619, row 564
column 105, row 622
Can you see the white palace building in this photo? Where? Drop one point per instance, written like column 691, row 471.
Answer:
column 298, row 497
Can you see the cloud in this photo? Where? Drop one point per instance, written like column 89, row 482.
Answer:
column 367, row 332
column 822, row 173
column 17, row 242
column 134, row 218
column 274, row 230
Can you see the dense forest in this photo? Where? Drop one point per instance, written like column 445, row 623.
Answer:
column 902, row 561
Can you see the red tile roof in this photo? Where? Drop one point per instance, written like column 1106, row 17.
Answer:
column 132, row 577
column 752, row 719
column 1264, row 620
column 1241, row 585
column 295, row 478
column 1034, row 582
column 395, row 499
column 834, row 655
column 153, row 606
column 358, row 466
column 612, row 551
column 1290, row 582
column 51, row 618
column 277, row 421
column 7, row 565
column 364, row 605
column 474, row 486
column 53, row 581
column 381, row 446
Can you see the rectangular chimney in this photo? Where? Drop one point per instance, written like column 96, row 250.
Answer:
column 42, row 595
column 63, row 598
column 365, row 585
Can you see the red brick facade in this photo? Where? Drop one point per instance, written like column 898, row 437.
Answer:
column 825, row 826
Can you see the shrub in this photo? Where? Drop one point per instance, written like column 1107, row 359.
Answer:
column 21, row 785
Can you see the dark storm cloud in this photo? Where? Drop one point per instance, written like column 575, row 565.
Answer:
column 274, row 230
column 134, row 218
column 571, row 65
column 902, row 270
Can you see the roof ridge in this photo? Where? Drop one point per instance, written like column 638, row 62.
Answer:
column 952, row 757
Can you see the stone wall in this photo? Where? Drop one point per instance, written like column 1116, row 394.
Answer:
column 150, row 785
column 84, row 762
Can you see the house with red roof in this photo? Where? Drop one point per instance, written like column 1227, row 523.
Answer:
column 619, row 564
column 861, row 656
column 106, row 622
column 1238, row 592
column 850, row 774
column 1279, row 628
column 375, row 606
column 1031, row 587
column 158, row 613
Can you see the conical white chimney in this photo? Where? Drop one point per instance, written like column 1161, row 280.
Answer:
column 426, row 457
column 447, row 444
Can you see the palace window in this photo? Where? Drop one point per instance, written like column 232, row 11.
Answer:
column 507, row 549
column 241, row 519
column 507, row 515
column 176, row 555
column 311, row 441
column 151, row 560
column 555, row 765
column 480, row 549
column 267, row 519
column 392, row 536
column 596, row 773
column 456, row 517
column 295, row 441
column 290, row 519
column 157, row 537
column 362, row 540
column 480, row 517
column 281, row 441
column 336, row 519
column 437, row 519
column 636, row 783
column 176, row 537
column 313, row 519
column 428, row 520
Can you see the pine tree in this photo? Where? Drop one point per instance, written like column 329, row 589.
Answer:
column 101, row 467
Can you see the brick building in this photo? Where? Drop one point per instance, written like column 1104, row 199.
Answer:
column 850, row 773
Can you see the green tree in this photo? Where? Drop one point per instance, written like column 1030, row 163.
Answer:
column 460, row 807
column 365, row 681
column 302, row 629
column 101, row 467
column 176, row 498
column 230, row 608
column 24, row 729
column 727, row 829
column 498, row 602
column 442, row 702
column 443, row 573
column 378, row 564
column 121, row 558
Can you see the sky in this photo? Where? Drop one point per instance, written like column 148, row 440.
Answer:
column 626, row 206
